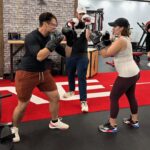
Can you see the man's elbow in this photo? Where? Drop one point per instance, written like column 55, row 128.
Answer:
column 39, row 58
column 42, row 54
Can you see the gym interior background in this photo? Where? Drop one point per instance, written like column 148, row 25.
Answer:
column 22, row 17
column 135, row 11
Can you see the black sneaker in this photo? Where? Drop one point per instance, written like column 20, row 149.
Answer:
column 108, row 128
column 130, row 122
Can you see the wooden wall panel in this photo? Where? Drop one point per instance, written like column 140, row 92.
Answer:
column 93, row 63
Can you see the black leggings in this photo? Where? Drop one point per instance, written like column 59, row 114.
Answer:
column 123, row 86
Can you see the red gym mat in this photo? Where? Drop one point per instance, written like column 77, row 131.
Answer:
column 98, row 87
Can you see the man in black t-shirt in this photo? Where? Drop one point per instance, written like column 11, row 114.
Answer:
column 32, row 71
column 78, row 61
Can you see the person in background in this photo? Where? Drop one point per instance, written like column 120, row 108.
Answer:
column 148, row 42
column 32, row 71
column 78, row 61
column 128, row 74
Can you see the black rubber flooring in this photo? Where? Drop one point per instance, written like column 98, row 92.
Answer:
column 84, row 135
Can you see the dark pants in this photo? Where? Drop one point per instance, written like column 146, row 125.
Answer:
column 77, row 64
column 123, row 86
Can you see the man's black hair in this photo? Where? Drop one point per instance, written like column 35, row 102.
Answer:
column 45, row 17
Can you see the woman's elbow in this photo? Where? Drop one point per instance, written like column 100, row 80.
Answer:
column 105, row 56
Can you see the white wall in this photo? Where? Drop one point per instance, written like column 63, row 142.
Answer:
column 113, row 9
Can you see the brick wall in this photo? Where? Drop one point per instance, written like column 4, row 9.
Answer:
column 1, row 39
column 22, row 16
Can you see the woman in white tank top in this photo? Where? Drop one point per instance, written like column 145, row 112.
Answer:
column 128, row 74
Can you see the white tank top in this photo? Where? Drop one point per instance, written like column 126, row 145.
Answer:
column 124, row 62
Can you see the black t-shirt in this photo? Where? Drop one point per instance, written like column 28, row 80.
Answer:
column 34, row 42
column 148, row 39
column 148, row 42
column 80, row 42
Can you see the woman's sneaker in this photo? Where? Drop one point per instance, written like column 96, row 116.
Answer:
column 68, row 94
column 15, row 131
column 108, row 128
column 58, row 125
column 130, row 122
